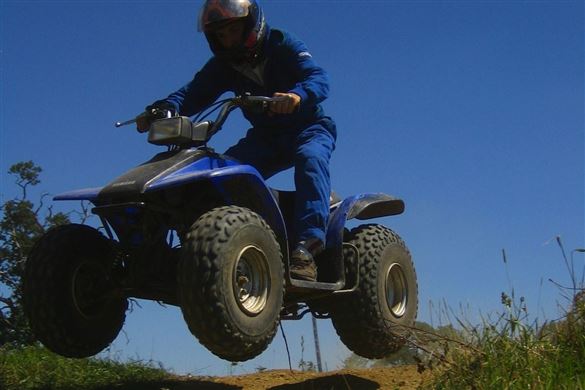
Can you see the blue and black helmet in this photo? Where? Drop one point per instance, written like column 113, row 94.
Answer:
column 218, row 13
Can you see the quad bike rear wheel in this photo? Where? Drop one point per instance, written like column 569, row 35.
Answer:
column 374, row 321
column 69, row 295
column 230, row 280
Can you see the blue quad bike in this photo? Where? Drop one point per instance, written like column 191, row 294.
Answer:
column 199, row 230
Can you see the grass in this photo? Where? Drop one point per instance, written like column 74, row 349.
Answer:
column 34, row 367
column 510, row 352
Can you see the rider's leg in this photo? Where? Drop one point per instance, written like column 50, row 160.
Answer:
column 314, row 146
column 261, row 149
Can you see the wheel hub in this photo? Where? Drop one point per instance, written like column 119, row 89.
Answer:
column 251, row 280
column 396, row 290
column 90, row 289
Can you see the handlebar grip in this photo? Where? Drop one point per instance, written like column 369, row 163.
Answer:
column 258, row 104
column 265, row 99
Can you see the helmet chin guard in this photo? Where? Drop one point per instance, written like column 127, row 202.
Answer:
column 218, row 13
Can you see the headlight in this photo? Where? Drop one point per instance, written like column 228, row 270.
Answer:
column 178, row 130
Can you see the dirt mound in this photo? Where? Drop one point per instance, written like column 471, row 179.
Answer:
column 391, row 378
column 405, row 377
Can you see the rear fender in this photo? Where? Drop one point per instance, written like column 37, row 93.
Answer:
column 362, row 207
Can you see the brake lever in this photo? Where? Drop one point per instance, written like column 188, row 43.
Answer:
column 128, row 122
column 155, row 113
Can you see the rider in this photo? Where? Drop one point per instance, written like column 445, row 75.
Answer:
column 250, row 57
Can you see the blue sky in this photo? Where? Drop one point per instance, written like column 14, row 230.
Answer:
column 471, row 111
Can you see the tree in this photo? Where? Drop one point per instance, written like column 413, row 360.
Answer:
column 21, row 225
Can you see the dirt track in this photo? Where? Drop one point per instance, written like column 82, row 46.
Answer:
column 366, row 379
column 390, row 378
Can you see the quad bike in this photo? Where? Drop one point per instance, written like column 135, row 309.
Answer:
column 199, row 230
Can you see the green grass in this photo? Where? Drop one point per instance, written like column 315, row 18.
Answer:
column 34, row 367
column 513, row 355
column 509, row 352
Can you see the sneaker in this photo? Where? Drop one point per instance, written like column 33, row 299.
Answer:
column 302, row 264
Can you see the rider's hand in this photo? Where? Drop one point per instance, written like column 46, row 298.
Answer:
column 156, row 110
column 143, row 122
column 289, row 103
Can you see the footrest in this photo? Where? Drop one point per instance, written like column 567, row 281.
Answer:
column 304, row 285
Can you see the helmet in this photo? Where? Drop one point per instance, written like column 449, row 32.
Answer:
column 218, row 13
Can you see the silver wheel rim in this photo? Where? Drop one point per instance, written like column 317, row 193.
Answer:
column 396, row 290
column 251, row 280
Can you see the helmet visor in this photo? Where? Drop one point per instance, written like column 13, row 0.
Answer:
column 217, row 11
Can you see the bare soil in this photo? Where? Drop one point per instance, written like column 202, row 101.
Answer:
column 390, row 378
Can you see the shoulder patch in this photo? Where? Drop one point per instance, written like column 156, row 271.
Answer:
column 304, row 54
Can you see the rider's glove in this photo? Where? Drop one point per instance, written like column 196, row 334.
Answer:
column 286, row 103
column 157, row 110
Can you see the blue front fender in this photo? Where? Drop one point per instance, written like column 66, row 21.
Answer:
column 237, row 184
column 90, row 194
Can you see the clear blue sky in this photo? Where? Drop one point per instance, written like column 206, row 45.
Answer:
column 471, row 111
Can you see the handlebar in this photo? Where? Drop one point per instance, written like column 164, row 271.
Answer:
column 253, row 103
column 250, row 102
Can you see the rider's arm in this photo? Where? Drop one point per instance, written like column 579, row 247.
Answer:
column 313, row 84
column 207, row 85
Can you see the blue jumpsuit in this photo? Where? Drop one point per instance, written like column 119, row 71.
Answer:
column 304, row 139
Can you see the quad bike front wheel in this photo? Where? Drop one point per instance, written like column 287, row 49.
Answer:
column 69, row 295
column 230, row 280
column 374, row 321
